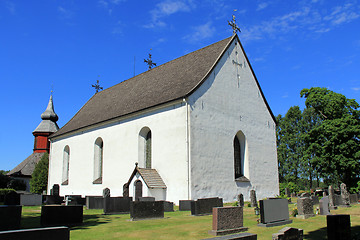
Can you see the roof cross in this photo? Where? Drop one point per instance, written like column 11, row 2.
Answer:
column 149, row 62
column 233, row 24
column 97, row 86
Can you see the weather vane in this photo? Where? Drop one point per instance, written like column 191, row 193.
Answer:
column 149, row 61
column 97, row 86
column 233, row 24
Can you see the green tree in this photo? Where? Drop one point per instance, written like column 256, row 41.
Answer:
column 333, row 141
column 39, row 178
column 4, row 179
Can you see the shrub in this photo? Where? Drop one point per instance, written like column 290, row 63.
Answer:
column 294, row 212
column 39, row 178
column 4, row 180
column 4, row 191
column 293, row 188
column 16, row 184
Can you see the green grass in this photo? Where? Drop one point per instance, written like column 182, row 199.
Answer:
column 181, row 225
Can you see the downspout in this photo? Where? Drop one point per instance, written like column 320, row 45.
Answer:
column 49, row 167
column 187, row 146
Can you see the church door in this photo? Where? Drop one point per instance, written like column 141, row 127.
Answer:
column 138, row 190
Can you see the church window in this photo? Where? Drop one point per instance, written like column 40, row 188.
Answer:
column 98, row 161
column 239, row 155
column 66, row 162
column 145, row 148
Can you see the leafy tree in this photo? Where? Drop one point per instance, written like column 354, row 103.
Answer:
column 333, row 141
column 16, row 184
column 39, row 178
column 4, row 179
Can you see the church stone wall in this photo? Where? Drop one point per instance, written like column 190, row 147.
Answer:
column 230, row 101
column 121, row 151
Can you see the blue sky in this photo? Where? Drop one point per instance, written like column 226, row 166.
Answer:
column 65, row 45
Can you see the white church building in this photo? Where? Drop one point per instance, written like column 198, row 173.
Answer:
column 198, row 126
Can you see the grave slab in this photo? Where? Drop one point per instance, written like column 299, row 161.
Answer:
column 53, row 233
column 338, row 227
column 305, row 208
column 288, row 233
column 30, row 200
column 324, row 206
column 185, row 205
column 117, row 205
column 227, row 220
column 204, row 206
column 239, row 236
column 94, row 202
column 274, row 212
column 57, row 215
column 10, row 217
column 146, row 210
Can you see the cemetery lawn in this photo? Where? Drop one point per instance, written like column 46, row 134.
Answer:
column 181, row 225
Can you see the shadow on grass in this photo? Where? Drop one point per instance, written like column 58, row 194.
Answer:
column 321, row 233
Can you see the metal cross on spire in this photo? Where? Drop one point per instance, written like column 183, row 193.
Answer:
column 97, row 86
column 149, row 62
column 233, row 24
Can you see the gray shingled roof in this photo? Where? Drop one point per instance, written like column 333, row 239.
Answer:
column 167, row 82
column 151, row 177
column 26, row 167
column 49, row 118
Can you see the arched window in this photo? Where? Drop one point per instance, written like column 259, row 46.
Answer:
column 66, row 162
column 98, row 161
column 145, row 148
column 239, row 155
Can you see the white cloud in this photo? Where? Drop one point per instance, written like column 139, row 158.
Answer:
column 65, row 13
column 167, row 8
column 200, row 32
column 10, row 6
column 356, row 89
column 108, row 4
column 343, row 14
column 262, row 6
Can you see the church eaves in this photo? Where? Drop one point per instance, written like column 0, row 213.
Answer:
column 168, row 82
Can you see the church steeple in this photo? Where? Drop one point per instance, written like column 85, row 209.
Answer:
column 47, row 126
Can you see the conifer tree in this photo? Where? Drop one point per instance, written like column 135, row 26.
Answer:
column 39, row 178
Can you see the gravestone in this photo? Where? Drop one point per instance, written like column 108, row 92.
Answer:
column 353, row 198
column 204, row 206
column 287, row 192
column 185, row 205
column 305, row 208
column 168, row 206
column 227, row 220
column 126, row 190
column 55, row 215
column 53, row 233
column 117, row 205
column 94, row 202
column 106, row 192
column 52, row 199
column 75, row 200
column 338, row 227
column 332, row 204
column 10, row 217
column 274, row 212
column 55, row 190
column 324, row 206
column 253, row 198
column 315, row 200
column 345, row 195
column 12, row 198
column 238, row 236
column 288, row 233
column 146, row 199
column 240, row 199
column 146, row 210
column 30, row 200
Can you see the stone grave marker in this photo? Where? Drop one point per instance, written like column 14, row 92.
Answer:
column 94, row 202
column 106, row 192
column 204, row 206
column 237, row 236
column 126, row 190
column 305, row 208
column 52, row 199
column 240, row 199
column 287, row 192
column 117, row 205
column 227, row 220
column 353, row 198
column 168, row 206
column 338, row 227
column 10, row 217
column 146, row 199
column 146, row 210
column 315, row 200
column 332, row 204
column 55, row 190
column 53, row 233
column 253, row 198
column 288, row 233
column 12, row 198
column 324, row 206
column 345, row 195
column 274, row 212
column 185, row 205
column 30, row 200
column 55, row 215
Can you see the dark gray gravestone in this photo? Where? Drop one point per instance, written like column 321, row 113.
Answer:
column 240, row 199
column 12, row 198
column 338, row 227
column 238, row 236
column 106, row 192
column 204, row 206
column 168, row 206
column 94, row 202
column 305, row 208
column 324, row 206
column 146, row 199
column 253, row 198
column 30, row 200
column 52, row 199
column 53, row 233
column 146, row 210
column 227, row 220
column 125, row 190
column 332, row 200
column 288, row 233
column 54, row 215
column 116, row 205
column 274, row 212
column 10, row 217
column 353, row 198
column 185, row 205
column 55, row 190
column 75, row 200
column 315, row 200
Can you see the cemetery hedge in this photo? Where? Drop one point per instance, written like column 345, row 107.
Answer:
column 181, row 225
